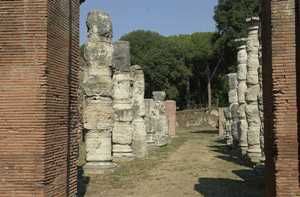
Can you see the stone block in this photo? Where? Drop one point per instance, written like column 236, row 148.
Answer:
column 121, row 56
column 139, row 144
column 159, row 95
column 98, row 145
column 99, row 24
column 253, row 93
column 98, row 113
column 122, row 133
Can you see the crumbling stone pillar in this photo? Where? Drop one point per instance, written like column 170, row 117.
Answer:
column 252, row 108
column 139, row 143
column 159, row 119
column 228, row 121
column 242, row 89
column 221, row 122
column 97, row 87
column 149, row 113
column 233, row 107
column 281, row 77
column 122, row 101
column 171, row 115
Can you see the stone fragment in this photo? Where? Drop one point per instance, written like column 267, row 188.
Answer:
column 159, row 95
column 121, row 56
column 98, row 145
column 122, row 133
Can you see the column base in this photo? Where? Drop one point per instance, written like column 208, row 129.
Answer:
column 96, row 168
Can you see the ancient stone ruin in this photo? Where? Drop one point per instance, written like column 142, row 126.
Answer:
column 245, row 113
column 116, row 125
column 97, row 87
column 139, row 144
column 157, row 121
column 122, row 101
column 41, row 115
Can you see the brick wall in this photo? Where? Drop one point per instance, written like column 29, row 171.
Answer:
column 38, row 84
column 280, row 98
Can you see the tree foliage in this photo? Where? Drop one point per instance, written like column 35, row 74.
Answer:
column 230, row 17
column 175, row 64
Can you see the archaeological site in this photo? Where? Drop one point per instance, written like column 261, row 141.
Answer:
column 149, row 98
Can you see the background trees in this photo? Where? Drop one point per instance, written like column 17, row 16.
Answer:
column 188, row 66
column 175, row 64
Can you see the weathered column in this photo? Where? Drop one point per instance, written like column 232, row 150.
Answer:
column 260, row 100
column 221, row 122
column 233, row 106
column 122, row 101
column 97, row 87
column 159, row 119
column 281, row 80
column 252, row 108
column 149, row 111
column 242, row 89
column 171, row 115
column 139, row 143
column 228, row 121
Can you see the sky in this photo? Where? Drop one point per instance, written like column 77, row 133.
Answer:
column 168, row 17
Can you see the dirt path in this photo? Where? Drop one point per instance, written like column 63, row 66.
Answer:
column 200, row 166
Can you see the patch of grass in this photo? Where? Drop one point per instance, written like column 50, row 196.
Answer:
column 130, row 172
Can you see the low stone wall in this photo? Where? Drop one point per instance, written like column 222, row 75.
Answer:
column 198, row 118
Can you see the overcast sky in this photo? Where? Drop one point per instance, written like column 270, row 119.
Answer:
column 168, row 17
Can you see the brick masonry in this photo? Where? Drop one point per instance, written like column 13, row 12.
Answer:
column 280, row 97
column 39, row 50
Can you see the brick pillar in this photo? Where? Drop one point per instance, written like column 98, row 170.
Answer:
column 171, row 114
column 38, row 102
column 280, row 98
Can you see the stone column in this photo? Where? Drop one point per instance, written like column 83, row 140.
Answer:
column 233, row 106
column 149, row 112
column 97, row 89
column 260, row 100
column 252, row 108
column 221, row 122
column 228, row 134
column 171, row 115
column 159, row 119
column 242, row 89
column 139, row 143
column 122, row 101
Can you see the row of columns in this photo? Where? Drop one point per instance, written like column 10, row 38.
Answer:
column 244, row 116
column 113, row 106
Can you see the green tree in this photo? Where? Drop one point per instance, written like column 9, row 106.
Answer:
column 230, row 17
column 175, row 64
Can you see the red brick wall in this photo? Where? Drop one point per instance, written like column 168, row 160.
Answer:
column 280, row 98
column 38, row 97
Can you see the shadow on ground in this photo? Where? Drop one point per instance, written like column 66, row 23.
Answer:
column 82, row 182
column 218, row 187
column 250, row 185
